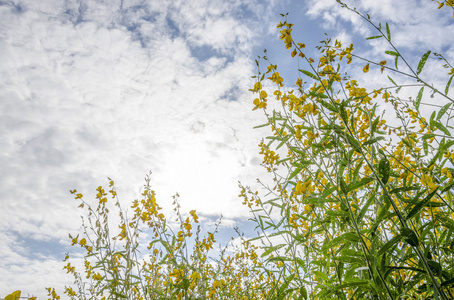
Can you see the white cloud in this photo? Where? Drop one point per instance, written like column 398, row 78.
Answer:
column 413, row 25
column 99, row 88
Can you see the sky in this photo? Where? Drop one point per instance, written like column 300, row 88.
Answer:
column 92, row 89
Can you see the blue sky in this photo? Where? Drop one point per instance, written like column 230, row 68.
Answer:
column 93, row 89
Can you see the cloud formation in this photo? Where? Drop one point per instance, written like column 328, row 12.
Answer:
column 93, row 89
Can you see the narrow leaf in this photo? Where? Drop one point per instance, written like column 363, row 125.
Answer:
column 388, row 32
column 392, row 80
column 374, row 37
column 259, row 126
column 295, row 172
column 373, row 140
column 447, row 282
column 418, row 98
column 448, row 187
column 392, row 53
column 443, row 110
column 271, row 249
column 395, row 54
column 307, row 73
column 422, row 62
column 366, row 206
column 448, row 85
column 389, row 244
column 285, row 285
column 358, row 184
column 350, row 284
column 432, row 121
column 411, row 237
column 327, row 105
column 384, row 169
column 321, row 275
column 442, row 128
column 421, row 204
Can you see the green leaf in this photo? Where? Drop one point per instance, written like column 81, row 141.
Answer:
column 271, row 249
column 442, row 128
column 448, row 85
column 444, row 283
column 448, row 187
column 259, row 126
column 388, row 32
column 303, row 292
column 281, row 144
column 389, row 244
column 356, row 185
column 348, row 259
column 418, row 98
column 395, row 54
column 283, row 160
column 390, row 79
column 297, row 150
column 307, row 73
column 422, row 62
column 373, row 140
column 281, row 292
column 321, row 275
column 435, row 267
column 318, row 95
column 384, row 169
column 343, row 185
column 351, row 236
column 117, row 294
column 432, row 121
column 410, row 236
column 374, row 37
column 363, row 211
column 392, row 53
column 404, row 189
column 354, row 143
column 327, row 105
column 350, row 284
column 443, row 110
column 421, row 204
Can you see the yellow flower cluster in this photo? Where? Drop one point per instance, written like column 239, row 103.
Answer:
column 447, row 3
column 270, row 158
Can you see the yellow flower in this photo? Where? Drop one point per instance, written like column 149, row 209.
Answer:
column 194, row 216
column 299, row 188
column 83, row 242
column 366, row 68
column 427, row 181
column 299, row 82
column 263, row 94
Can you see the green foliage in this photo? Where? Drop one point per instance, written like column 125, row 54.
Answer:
column 371, row 215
